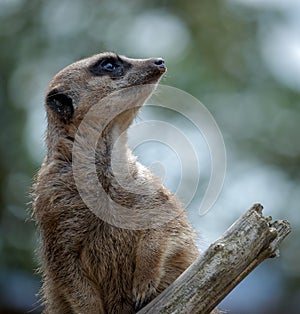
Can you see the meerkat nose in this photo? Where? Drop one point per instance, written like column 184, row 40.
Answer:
column 159, row 62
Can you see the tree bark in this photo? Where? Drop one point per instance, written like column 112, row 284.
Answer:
column 248, row 242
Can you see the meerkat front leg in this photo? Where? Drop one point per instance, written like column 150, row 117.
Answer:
column 150, row 259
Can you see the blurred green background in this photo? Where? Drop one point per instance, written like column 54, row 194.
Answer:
column 241, row 58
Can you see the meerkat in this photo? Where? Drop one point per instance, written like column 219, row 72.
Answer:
column 90, row 265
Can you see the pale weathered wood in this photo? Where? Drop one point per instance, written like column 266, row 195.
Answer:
column 247, row 243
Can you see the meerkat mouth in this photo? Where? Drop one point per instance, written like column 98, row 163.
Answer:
column 155, row 77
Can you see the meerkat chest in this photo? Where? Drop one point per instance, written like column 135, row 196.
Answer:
column 113, row 249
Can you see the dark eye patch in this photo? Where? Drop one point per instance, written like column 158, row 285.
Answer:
column 109, row 65
column 112, row 66
column 61, row 104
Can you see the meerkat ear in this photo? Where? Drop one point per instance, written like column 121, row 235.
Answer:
column 61, row 104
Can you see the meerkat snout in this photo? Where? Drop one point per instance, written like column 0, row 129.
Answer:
column 159, row 62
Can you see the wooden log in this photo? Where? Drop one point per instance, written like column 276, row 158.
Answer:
column 248, row 242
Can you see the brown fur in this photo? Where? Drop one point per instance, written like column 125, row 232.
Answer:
column 90, row 266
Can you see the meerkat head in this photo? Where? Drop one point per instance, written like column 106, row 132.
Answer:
column 76, row 88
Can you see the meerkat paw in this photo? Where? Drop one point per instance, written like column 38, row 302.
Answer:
column 142, row 293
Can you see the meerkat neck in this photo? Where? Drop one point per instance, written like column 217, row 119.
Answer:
column 112, row 152
column 59, row 144
column 105, row 151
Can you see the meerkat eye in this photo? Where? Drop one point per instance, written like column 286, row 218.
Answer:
column 108, row 65
column 111, row 66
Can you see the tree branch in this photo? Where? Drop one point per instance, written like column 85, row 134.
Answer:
column 248, row 242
